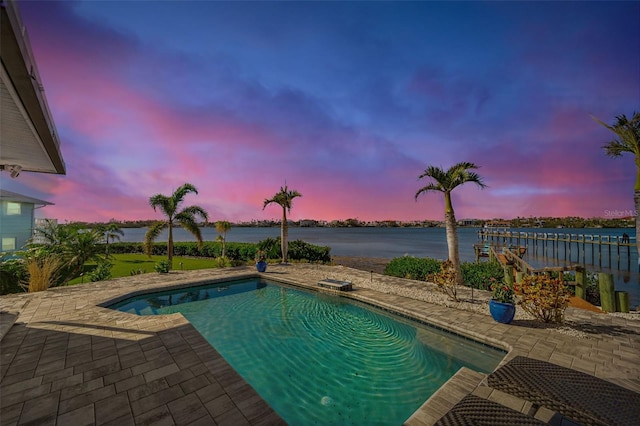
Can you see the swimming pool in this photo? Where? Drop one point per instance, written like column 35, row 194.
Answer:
column 318, row 358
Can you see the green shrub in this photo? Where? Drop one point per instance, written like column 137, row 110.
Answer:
column 162, row 267
column 411, row 267
column 479, row 275
column 101, row 272
column 12, row 273
column 271, row 247
column 221, row 262
column 235, row 252
column 592, row 289
column 300, row 250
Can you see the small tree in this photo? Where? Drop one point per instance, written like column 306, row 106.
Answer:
column 186, row 218
column 111, row 232
column 222, row 226
column 284, row 198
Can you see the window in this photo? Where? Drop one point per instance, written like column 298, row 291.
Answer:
column 8, row 243
column 13, row 208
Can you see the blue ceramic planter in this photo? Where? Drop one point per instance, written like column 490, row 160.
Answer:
column 502, row 312
column 261, row 266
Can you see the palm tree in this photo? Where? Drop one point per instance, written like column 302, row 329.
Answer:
column 222, row 226
column 73, row 244
column 628, row 132
column 185, row 218
column 284, row 198
column 445, row 182
column 111, row 232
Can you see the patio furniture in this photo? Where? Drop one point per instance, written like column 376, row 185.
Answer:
column 581, row 397
column 473, row 410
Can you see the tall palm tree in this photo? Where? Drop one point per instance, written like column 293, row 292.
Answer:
column 445, row 182
column 222, row 226
column 283, row 198
column 185, row 218
column 628, row 132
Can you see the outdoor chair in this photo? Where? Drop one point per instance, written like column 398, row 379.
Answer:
column 473, row 410
column 581, row 397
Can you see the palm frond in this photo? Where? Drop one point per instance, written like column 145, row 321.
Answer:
column 163, row 203
column 284, row 198
column 428, row 188
column 628, row 132
column 195, row 211
column 190, row 225
column 180, row 193
column 152, row 234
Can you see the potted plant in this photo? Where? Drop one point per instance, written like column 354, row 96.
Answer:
column 261, row 261
column 501, row 305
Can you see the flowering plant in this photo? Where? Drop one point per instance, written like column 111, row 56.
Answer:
column 544, row 297
column 261, row 256
column 501, row 292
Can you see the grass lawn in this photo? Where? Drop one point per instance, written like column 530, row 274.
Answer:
column 124, row 264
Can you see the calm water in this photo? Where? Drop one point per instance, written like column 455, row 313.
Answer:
column 321, row 359
column 430, row 242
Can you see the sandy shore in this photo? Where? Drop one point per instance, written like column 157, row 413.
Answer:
column 368, row 264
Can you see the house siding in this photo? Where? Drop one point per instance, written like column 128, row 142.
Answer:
column 18, row 226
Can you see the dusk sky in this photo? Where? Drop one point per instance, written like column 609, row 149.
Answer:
column 348, row 102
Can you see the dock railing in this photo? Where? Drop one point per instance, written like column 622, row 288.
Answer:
column 553, row 241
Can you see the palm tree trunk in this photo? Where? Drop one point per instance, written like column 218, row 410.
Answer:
column 284, row 234
column 452, row 236
column 170, row 246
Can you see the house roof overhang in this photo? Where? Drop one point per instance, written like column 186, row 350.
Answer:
column 28, row 137
column 19, row 198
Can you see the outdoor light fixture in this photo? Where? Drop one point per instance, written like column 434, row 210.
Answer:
column 13, row 169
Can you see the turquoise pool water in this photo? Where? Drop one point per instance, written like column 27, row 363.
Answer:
column 321, row 359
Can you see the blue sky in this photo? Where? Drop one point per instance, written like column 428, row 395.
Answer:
column 348, row 102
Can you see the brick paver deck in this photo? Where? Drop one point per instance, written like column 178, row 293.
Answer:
column 66, row 360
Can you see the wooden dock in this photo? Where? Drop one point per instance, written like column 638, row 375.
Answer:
column 566, row 245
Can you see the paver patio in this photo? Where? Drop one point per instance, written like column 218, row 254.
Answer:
column 66, row 360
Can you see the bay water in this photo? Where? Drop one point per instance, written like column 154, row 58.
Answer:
column 431, row 242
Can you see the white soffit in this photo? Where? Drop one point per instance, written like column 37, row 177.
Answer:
column 19, row 141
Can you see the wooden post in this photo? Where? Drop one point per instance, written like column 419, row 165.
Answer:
column 622, row 302
column 519, row 275
column 508, row 275
column 607, row 292
column 581, row 283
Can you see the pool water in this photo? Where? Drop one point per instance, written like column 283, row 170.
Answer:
column 321, row 359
